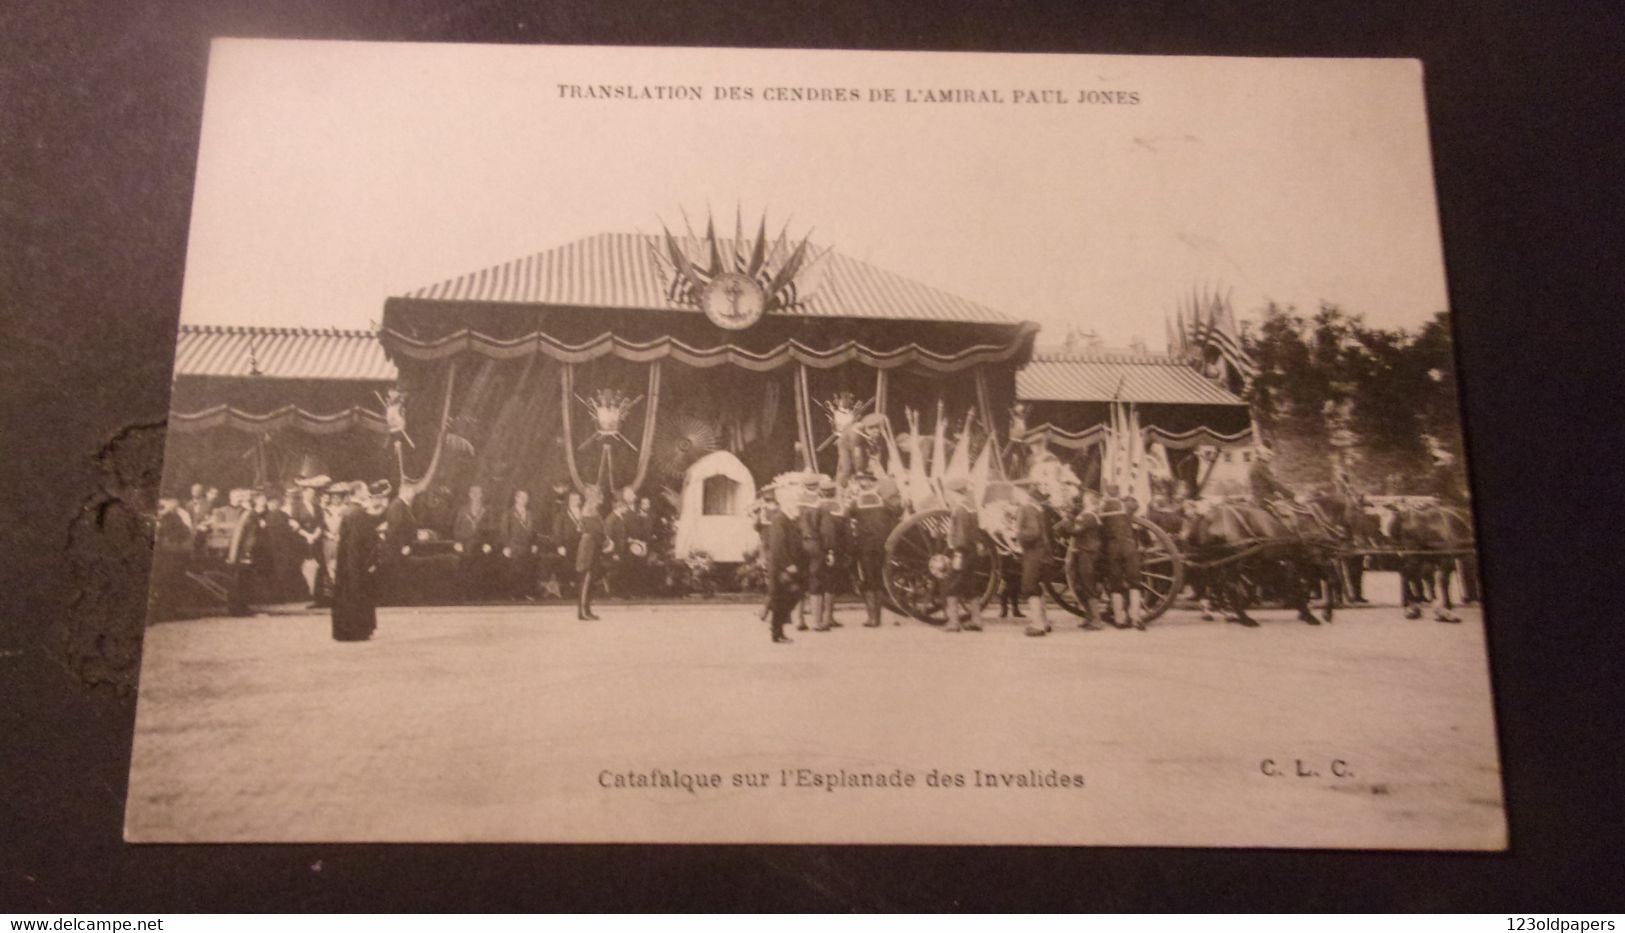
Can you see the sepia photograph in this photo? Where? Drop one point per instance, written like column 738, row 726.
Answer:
column 612, row 444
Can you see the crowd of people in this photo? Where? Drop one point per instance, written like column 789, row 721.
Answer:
column 276, row 546
column 349, row 546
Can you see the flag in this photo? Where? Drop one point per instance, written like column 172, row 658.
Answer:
column 982, row 469
column 939, row 443
column 959, row 461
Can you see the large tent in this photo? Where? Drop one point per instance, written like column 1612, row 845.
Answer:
column 600, row 362
column 253, row 405
column 1069, row 397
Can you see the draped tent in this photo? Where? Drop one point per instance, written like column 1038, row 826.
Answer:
column 249, row 405
column 599, row 357
column 1070, row 395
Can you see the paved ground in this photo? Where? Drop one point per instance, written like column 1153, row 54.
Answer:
column 500, row 723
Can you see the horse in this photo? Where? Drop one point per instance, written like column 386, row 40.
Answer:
column 1235, row 546
column 1345, row 512
column 1438, row 532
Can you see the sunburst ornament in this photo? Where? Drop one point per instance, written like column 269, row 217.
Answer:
column 735, row 282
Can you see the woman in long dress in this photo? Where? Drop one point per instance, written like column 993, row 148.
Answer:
column 355, row 602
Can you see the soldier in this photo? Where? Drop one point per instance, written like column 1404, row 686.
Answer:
column 873, row 519
column 1121, row 552
column 837, row 570
column 1033, row 531
column 1085, row 529
column 1261, row 478
column 785, row 562
column 589, row 552
column 818, row 541
column 962, row 600
column 470, row 530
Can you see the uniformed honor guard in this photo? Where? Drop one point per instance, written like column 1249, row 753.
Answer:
column 1033, row 531
column 836, row 571
column 1121, row 556
column 873, row 519
column 785, row 561
column 1085, row 530
column 590, row 546
column 355, row 602
column 961, row 598
column 818, row 545
column 1261, row 478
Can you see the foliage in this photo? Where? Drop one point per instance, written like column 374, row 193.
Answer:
column 1330, row 378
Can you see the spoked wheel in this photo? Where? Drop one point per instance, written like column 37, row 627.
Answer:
column 1162, row 572
column 1162, row 569
column 910, row 585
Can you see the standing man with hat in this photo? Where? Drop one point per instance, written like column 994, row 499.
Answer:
column 355, row 603
column 1122, row 557
column 818, row 537
column 470, row 530
column 785, row 560
column 1261, row 478
column 1085, row 530
column 1033, row 531
column 589, row 551
column 873, row 518
column 962, row 600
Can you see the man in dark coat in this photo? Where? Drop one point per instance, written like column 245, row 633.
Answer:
column 1121, row 557
column 1085, row 530
column 619, row 572
column 172, row 550
column 516, row 532
column 470, row 531
column 355, row 604
column 1261, row 478
column 589, row 552
column 400, row 530
column 1033, row 531
column 961, row 598
column 244, row 553
column 785, row 563
column 818, row 540
column 873, row 518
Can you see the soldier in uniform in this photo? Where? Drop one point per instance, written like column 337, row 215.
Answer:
column 1033, row 532
column 1085, row 530
column 836, row 570
column 785, row 562
column 818, row 541
column 962, row 601
column 589, row 552
column 873, row 518
column 1121, row 555
column 1261, row 478
column 470, row 530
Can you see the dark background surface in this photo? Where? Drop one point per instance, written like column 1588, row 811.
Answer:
column 99, row 114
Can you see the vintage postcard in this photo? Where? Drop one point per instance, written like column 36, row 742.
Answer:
column 691, row 445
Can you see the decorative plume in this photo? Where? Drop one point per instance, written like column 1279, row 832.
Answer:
column 789, row 277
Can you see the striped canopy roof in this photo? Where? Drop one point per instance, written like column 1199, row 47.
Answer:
column 619, row 270
column 281, row 353
column 1143, row 378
